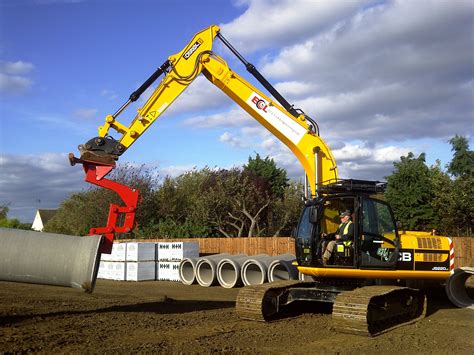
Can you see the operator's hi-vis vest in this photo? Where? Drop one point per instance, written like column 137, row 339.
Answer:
column 345, row 231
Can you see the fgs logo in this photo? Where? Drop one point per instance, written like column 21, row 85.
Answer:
column 261, row 104
column 193, row 48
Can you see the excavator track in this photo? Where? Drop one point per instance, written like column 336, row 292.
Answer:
column 374, row 310
column 260, row 302
column 369, row 310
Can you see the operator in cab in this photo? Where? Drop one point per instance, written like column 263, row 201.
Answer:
column 344, row 233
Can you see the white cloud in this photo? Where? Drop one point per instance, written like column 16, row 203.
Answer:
column 14, row 84
column 384, row 72
column 13, row 77
column 175, row 170
column 268, row 23
column 232, row 140
column 16, row 68
column 29, row 182
column 295, row 89
column 199, row 96
column 235, row 117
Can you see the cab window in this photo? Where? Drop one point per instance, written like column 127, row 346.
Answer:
column 379, row 244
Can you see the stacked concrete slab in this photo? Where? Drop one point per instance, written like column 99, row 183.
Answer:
column 142, row 261
column 170, row 256
column 113, row 266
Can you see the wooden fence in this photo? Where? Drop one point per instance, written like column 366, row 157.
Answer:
column 463, row 246
column 250, row 246
column 463, row 254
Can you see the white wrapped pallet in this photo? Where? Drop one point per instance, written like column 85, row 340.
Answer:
column 102, row 270
column 109, row 270
column 141, row 251
column 141, row 271
column 119, row 253
column 106, row 270
column 119, row 270
column 167, row 270
column 182, row 250
column 163, row 251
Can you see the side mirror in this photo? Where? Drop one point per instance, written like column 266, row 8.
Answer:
column 313, row 215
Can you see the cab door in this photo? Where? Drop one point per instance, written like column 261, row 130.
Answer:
column 379, row 242
column 304, row 238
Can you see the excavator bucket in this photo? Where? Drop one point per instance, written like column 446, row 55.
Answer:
column 49, row 259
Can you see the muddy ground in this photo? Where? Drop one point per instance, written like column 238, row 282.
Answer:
column 169, row 317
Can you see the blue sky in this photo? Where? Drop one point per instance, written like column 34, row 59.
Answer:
column 382, row 78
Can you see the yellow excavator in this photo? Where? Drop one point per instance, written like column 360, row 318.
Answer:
column 367, row 276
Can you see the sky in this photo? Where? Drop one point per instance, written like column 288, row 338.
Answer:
column 381, row 78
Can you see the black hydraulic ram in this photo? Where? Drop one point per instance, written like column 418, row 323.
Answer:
column 137, row 93
column 261, row 79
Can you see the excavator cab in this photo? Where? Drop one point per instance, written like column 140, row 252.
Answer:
column 375, row 242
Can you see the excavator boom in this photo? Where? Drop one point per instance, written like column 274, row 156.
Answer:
column 291, row 126
column 295, row 129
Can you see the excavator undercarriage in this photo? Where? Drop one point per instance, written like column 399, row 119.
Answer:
column 366, row 310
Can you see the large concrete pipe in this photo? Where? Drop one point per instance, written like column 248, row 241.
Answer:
column 49, row 259
column 187, row 271
column 228, row 271
column 456, row 287
column 254, row 270
column 282, row 269
column 206, row 269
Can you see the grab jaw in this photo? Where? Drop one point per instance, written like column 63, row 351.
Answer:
column 95, row 174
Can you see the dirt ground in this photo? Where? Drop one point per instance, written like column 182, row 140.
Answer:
column 169, row 317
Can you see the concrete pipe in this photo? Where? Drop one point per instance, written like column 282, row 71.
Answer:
column 187, row 271
column 282, row 270
column 254, row 270
column 49, row 259
column 456, row 287
column 228, row 271
column 206, row 269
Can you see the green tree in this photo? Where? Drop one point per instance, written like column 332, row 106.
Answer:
column 462, row 163
column 464, row 207
column 178, row 211
column 409, row 191
column 5, row 222
column 444, row 201
column 237, row 202
column 461, row 168
column 84, row 210
column 267, row 169
column 287, row 210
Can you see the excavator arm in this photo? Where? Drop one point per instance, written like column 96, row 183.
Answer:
column 291, row 126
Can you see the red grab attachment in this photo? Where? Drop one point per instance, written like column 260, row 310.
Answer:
column 95, row 174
